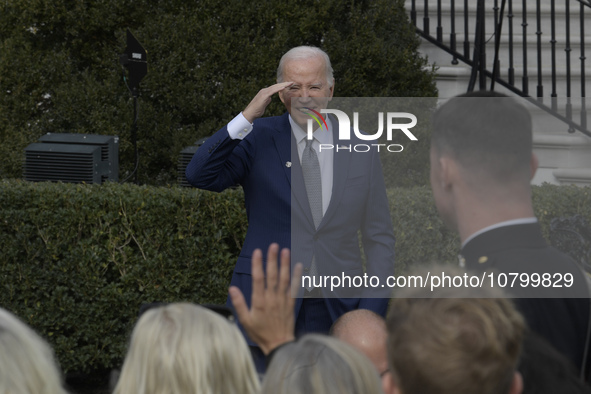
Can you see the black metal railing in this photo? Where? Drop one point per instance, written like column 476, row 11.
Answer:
column 559, row 103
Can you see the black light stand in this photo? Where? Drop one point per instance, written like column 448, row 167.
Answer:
column 135, row 60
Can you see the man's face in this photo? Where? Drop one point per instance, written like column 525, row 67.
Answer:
column 310, row 88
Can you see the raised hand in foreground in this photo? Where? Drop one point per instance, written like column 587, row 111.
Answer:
column 270, row 321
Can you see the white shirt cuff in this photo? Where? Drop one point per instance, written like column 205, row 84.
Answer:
column 239, row 127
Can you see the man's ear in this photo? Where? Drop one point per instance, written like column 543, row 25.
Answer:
column 389, row 384
column 516, row 384
column 449, row 171
column 331, row 90
column 533, row 165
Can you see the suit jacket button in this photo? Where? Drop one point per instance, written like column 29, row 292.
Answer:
column 315, row 237
column 306, row 270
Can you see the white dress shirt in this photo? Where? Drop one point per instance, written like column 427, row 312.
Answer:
column 501, row 224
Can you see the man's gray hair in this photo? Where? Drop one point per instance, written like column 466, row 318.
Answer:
column 305, row 52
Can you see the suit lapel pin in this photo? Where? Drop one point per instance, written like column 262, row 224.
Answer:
column 288, row 164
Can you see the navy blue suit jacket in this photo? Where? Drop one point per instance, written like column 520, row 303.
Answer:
column 266, row 164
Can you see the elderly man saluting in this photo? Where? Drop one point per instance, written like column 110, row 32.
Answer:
column 315, row 203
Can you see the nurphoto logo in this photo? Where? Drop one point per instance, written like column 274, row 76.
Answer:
column 392, row 125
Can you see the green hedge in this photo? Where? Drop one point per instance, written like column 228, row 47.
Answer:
column 77, row 261
column 422, row 237
column 60, row 72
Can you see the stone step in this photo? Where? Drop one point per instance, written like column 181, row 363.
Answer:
column 531, row 45
column 558, row 150
column 442, row 59
column 517, row 10
column 531, row 36
column 454, row 80
column 459, row 75
column 560, row 28
column 573, row 176
column 564, row 158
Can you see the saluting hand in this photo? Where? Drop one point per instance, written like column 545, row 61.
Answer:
column 256, row 108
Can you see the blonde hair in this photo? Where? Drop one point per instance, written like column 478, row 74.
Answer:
column 184, row 348
column 27, row 364
column 320, row 364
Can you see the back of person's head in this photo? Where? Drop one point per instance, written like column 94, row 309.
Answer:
column 487, row 133
column 27, row 364
column 320, row 364
column 547, row 371
column 353, row 320
column 366, row 331
column 185, row 348
column 441, row 344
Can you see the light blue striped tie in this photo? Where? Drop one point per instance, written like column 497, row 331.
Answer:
column 313, row 182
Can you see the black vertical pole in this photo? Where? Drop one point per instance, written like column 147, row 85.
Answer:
column 511, row 60
column 496, row 62
column 525, row 87
column 426, row 18
column 478, row 63
column 482, row 52
column 452, row 36
column 553, row 95
column 466, row 32
column 569, row 107
column 583, row 58
column 540, row 87
column 439, row 27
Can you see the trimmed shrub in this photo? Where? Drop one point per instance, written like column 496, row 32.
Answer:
column 421, row 236
column 79, row 260
column 206, row 60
